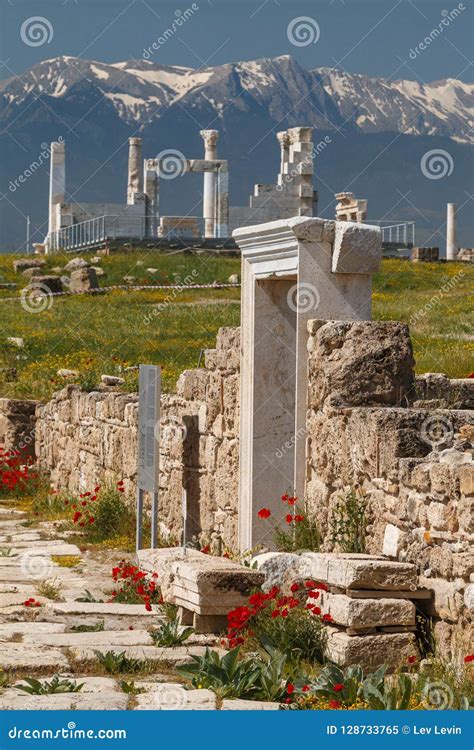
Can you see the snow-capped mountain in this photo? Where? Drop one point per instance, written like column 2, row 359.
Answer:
column 379, row 130
column 141, row 91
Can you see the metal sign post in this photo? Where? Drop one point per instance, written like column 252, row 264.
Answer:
column 149, row 392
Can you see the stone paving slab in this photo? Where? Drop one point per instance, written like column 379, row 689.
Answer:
column 23, row 656
column 41, row 543
column 9, row 629
column 174, row 697
column 175, row 656
column 99, row 640
column 90, row 684
column 26, row 536
column 38, row 571
column 67, row 701
column 58, row 550
column 101, row 608
column 7, row 600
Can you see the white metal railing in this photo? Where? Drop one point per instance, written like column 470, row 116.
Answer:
column 402, row 233
column 94, row 232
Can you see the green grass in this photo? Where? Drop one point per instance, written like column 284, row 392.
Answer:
column 104, row 334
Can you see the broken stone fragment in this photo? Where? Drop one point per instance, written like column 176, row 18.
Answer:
column 83, row 280
column 111, row 380
column 76, row 263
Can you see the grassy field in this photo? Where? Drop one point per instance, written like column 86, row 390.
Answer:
column 107, row 333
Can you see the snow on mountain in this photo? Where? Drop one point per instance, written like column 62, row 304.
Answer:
column 142, row 91
column 443, row 108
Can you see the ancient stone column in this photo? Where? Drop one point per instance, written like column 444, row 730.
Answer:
column 151, row 185
column 284, row 142
column 210, row 183
column 57, row 184
column 451, row 242
column 135, row 182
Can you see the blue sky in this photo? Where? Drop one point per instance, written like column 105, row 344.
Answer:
column 361, row 36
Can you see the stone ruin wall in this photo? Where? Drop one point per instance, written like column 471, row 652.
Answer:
column 85, row 438
column 370, row 432
column 366, row 422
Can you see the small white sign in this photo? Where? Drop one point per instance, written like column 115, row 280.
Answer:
column 149, row 392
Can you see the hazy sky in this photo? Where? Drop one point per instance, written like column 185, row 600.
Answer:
column 361, row 36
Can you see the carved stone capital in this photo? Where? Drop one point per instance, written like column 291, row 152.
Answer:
column 209, row 136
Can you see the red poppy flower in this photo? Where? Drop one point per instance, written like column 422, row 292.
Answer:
column 289, row 518
column 468, row 659
column 326, row 618
column 305, row 688
column 298, row 519
column 310, row 584
column 334, row 704
column 290, row 688
column 411, row 659
column 338, row 687
column 316, row 610
column 294, row 587
column 313, row 595
column 264, row 513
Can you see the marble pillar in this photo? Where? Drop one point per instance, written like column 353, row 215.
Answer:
column 57, row 184
column 451, row 241
column 151, row 189
column 135, row 179
column 284, row 142
column 210, row 183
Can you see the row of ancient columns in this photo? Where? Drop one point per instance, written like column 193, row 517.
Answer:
column 144, row 185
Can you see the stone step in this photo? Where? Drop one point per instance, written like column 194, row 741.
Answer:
column 367, row 613
column 10, row 629
column 372, row 651
column 112, row 701
column 28, row 657
column 94, row 640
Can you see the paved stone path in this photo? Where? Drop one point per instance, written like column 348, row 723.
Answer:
column 41, row 641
